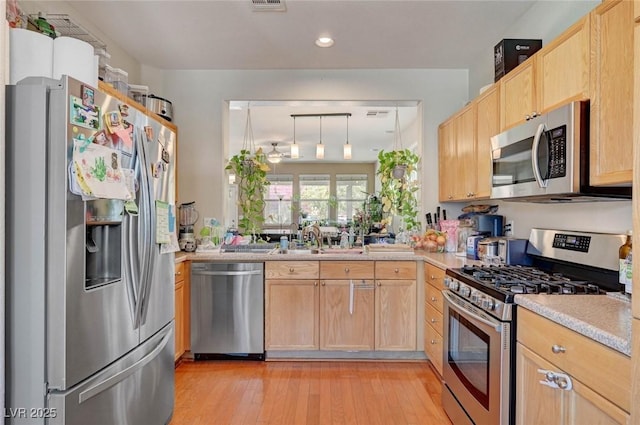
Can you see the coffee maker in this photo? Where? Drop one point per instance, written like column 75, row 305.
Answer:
column 188, row 216
column 489, row 224
column 484, row 226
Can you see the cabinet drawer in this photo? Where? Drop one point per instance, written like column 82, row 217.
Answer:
column 433, row 297
column 346, row 269
column 606, row 371
column 433, row 346
column 434, row 275
column 179, row 273
column 291, row 269
column 395, row 270
column 434, row 318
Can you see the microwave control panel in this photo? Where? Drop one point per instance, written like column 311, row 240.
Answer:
column 571, row 242
column 557, row 152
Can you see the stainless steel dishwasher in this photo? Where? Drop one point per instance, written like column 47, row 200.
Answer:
column 227, row 310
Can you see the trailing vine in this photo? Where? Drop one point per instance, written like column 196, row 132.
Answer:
column 398, row 195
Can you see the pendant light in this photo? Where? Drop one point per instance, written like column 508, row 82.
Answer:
column 346, row 149
column 320, row 146
column 295, row 152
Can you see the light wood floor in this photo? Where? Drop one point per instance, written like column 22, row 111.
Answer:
column 281, row 393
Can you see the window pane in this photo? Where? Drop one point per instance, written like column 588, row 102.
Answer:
column 314, row 196
column 351, row 191
column 278, row 197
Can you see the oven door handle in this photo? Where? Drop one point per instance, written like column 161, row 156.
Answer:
column 458, row 305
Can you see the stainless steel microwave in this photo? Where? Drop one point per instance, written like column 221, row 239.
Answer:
column 546, row 159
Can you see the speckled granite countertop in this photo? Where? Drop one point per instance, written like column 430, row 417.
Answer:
column 605, row 319
column 442, row 260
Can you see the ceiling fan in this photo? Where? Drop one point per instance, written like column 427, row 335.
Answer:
column 274, row 156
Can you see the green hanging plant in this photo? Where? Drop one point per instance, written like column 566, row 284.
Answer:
column 398, row 191
column 251, row 177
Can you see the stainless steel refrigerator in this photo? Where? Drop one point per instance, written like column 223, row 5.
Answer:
column 90, row 295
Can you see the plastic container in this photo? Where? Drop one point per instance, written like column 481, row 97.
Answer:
column 139, row 93
column 103, row 62
column 118, row 78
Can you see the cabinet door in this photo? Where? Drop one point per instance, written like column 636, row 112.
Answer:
column 346, row 314
column 179, row 322
column 535, row 403
column 395, row 315
column 517, row 95
column 487, row 126
column 433, row 347
column 611, row 138
column 538, row 403
column 464, row 183
column 562, row 68
column 291, row 314
column 446, row 161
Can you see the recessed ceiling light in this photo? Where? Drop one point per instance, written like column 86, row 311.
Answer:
column 324, row 42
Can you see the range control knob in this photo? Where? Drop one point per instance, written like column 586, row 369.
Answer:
column 488, row 303
column 454, row 285
column 476, row 297
column 465, row 291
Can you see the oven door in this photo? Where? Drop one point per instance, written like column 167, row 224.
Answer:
column 477, row 361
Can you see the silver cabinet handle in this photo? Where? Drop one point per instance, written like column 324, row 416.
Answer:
column 178, row 273
column 351, row 297
column 434, row 321
column 323, row 283
column 379, row 284
column 558, row 349
column 397, row 270
column 434, row 342
column 346, row 269
column 315, row 283
column 556, row 380
column 434, row 299
column 433, row 277
column 291, row 269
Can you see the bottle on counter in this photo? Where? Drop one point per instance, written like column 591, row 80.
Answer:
column 625, row 273
column 344, row 239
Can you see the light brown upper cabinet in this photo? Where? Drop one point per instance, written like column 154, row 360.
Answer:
column 611, row 138
column 446, row 160
column 557, row 74
column 465, row 149
column 487, row 126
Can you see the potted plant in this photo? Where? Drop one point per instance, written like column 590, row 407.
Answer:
column 398, row 189
column 251, row 177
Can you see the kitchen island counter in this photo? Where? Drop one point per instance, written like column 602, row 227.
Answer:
column 603, row 318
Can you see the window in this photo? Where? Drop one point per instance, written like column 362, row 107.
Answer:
column 278, row 199
column 351, row 192
column 315, row 194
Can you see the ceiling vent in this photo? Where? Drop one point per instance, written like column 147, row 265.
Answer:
column 377, row 114
column 268, row 5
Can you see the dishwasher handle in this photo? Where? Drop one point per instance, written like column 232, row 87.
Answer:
column 226, row 272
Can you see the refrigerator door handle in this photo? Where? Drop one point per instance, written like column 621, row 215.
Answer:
column 144, row 228
column 125, row 373
column 129, row 275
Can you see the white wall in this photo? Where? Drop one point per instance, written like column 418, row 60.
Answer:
column 199, row 108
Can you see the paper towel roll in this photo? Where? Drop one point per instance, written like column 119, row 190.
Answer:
column 76, row 59
column 30, row 53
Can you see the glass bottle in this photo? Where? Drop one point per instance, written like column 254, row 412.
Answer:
column 625, row 261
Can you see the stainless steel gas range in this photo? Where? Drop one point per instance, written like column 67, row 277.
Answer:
column 480, row 316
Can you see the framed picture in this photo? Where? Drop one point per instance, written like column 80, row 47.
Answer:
column 88, row 96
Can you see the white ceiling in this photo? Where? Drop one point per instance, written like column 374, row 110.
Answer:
column 369, row 34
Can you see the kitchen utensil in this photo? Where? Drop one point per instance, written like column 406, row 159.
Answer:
column 160, row 106
column 188, row 214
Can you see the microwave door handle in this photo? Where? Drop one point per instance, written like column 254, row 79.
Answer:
column 534, row 157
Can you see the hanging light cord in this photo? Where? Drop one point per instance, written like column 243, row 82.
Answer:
column 248, row 133
column 397, row 138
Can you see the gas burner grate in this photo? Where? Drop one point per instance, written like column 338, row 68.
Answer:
column 528, row 280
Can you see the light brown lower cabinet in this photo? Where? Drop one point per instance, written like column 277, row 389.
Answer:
column 181, row 322
column 433, row 316
column 563, row 377
column 347, row 308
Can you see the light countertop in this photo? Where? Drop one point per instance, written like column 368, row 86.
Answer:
column 442, row 260
column 603, row 318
